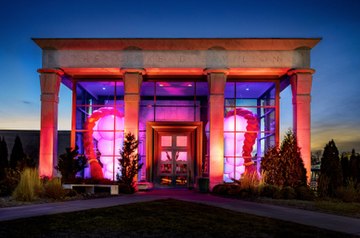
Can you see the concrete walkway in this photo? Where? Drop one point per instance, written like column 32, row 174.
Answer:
column 322, row 220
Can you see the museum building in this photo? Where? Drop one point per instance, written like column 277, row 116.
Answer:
column 199, row 107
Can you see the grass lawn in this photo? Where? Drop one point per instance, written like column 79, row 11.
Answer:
column 331, row 206
column 162, row 218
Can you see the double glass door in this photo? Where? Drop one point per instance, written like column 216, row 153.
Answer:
column 174, row 159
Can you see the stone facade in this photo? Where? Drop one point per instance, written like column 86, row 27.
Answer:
column 133, row 60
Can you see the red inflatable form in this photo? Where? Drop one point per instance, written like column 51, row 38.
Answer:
column 95, row 167
column 252, row 129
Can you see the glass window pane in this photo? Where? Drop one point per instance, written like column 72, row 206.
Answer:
column 229, row 90
column 166, row 169
column 181, row 141
column 166, row 140
column 166, row 156
column 181, row 168
column 119, row 87
column 181, row 180
column 175, row 89
column 147, row 89
column 175, row 112
column 202, row 89
column 165, row 180
column 181, row 156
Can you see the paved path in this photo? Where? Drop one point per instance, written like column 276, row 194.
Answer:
column 316, row 219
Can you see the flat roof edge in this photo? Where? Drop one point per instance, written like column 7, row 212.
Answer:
column 176, row 43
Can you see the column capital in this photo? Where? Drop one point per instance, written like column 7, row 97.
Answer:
column 301, row 83
column 216, row 81
column 50, row 83
column 292, row 72
column 59, row 72
column 133, row 71
column 132, row 82
column 208, row 71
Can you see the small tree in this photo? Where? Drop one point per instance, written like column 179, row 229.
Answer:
column 70, row 164
column 294, row 169
column 284, row 166
column 330, row 171
column 4, row 163
column 354, row 170
column 345, row 167
column 129, row 162
column 17, row 153
column 270, row 166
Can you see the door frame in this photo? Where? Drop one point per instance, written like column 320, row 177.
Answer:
column 152, row 133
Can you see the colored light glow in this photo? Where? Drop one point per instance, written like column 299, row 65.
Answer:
column 238, row 146
column 100, row 127
column 234, row 143
column 106, row 127
column 103, row 88
column 109, row 142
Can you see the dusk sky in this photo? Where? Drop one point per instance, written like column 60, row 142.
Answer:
column 336, row 59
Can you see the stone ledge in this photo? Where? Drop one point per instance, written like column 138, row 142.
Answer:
column 144, row 186
column 90, row 188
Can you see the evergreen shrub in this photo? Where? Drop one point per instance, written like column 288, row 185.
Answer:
column 129, row 164
column 346, row 194
column 9, row 182
column 305, row 193
column 284, row 166
column 288, row 193
column 269, row 190
column 70, row 163
column 17, row 153
column 4, row 162
column 330, row 171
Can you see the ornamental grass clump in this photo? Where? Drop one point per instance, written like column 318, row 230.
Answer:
column 53, row 189
column 29, row 187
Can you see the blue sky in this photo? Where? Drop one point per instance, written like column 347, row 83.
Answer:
column 336, row 59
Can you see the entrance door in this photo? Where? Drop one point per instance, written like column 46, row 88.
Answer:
column 173, row 153
column 175, row 164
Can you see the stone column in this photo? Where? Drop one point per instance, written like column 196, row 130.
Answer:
column 50, row 84
column 132, row 84
column 301, row 80
column 216, row 80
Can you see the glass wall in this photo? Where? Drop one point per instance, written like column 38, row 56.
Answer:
column 249, row 125
column 250, row 119
column 183, row 101
column 100, row 122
